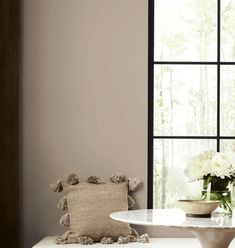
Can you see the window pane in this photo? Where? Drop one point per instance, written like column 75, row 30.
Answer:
column 170, row 159
column 227, row 100
column 227, row 145
column 185, row 100
column 185, row 30
column 227, row 30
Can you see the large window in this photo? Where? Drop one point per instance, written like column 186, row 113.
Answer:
column 191, row 90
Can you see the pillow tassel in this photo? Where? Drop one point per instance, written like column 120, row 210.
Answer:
column 57, row 187
column 62, row 240
column 62, row 204
column 72, row 179
column 85, row 240
column 123, row 240
column 133, row 183
column 94, row 180
column 144, row 238
column 64, row 220
column 117, row 178
column 106, row 241
column 134, row 232
column 132, row 238
column 131, row 202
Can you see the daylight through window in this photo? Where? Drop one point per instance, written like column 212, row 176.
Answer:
column 191, row 90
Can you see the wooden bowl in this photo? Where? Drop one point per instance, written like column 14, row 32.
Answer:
column 198, row 208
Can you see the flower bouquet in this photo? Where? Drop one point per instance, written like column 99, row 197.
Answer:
column 217, row 170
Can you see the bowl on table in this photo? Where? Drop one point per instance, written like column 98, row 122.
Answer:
column 198, row 208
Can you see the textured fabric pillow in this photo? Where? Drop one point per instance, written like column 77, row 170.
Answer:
column 89, row 208
column 89, row 205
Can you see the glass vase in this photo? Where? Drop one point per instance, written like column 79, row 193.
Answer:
column 215, row 188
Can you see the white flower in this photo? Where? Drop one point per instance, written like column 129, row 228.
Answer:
column 211, row 163
column 222, row 165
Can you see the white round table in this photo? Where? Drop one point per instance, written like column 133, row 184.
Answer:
column 215, row 232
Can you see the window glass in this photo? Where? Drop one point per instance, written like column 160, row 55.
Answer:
column 185, row 30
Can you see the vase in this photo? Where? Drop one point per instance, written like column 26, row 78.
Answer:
column 215, row 188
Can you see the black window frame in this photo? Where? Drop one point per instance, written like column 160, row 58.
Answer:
column 151, row 63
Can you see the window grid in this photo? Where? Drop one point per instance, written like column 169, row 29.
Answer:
column 152, row 62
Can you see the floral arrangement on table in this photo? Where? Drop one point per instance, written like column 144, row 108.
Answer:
column 217, row 170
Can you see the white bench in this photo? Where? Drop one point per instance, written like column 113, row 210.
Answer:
column 49, row 242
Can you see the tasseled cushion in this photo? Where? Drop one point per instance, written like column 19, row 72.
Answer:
column 96, row 200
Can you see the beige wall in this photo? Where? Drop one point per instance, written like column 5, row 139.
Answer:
column 84, row 99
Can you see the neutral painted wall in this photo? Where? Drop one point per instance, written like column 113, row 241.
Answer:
column 84, row 97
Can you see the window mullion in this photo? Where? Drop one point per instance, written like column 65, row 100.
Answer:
column 150, row 100
column 218, row 73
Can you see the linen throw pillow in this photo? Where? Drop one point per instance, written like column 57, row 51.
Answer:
column 89, row 208
column 89, row 205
